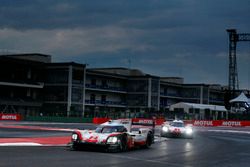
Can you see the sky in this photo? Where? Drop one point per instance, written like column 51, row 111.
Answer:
column 167, row 38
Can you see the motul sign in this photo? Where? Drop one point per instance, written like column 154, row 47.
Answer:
column 231, row 123
column 219, row 123
column 11, row 117
column 203, row 123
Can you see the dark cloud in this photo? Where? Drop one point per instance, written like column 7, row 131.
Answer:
column 162, row 37
column 49, row 14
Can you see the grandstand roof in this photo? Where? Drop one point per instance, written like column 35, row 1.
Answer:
column 187, row 106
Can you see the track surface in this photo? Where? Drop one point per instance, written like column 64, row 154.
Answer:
column 210, row 147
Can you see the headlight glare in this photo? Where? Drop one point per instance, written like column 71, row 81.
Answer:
column 165, row 129
column 112, row 140
column 74, row 136
column 189, row 131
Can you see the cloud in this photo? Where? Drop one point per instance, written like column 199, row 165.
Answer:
column 74, row 41
column 184, row 38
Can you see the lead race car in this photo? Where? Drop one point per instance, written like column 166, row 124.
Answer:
column 176, row 128
column 116, row 135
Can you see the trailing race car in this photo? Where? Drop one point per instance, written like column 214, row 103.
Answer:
column 176, row 128
column 116, row 135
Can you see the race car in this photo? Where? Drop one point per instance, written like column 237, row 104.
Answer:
column 176, row 128
column 116, row 135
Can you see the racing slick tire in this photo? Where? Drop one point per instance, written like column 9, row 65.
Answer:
column 122, row 145
column 149, row 140
column 74, row 147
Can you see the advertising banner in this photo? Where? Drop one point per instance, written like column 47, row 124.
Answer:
column 231, row 123
column 10, row 117
column 206, row 123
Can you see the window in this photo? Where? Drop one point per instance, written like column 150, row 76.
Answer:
column 103, row 98
column 92, row 98
column 77, row 76
column 104, row 83
column 93, row 81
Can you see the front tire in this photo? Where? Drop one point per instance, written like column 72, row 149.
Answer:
column 122, row 145
column 74, row 147
column 149, row 140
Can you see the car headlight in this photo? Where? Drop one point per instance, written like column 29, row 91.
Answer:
column 74, row 136
column 112, row 140
column 165, row 129
column 189, row 131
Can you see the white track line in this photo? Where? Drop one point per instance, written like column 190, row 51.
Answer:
column 20, row 144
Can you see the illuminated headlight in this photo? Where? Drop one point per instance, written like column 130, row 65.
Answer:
column 112, row 140
column 74, row 136
column 165, row 129
column 189, row 131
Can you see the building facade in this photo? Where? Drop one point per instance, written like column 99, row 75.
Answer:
column 34, row 86
column 22, row 83
column 64, row 89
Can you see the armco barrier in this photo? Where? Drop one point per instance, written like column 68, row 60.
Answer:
column 10, row 117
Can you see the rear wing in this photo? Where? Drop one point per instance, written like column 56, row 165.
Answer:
column 143, row 123
column 126, row 122
column 133, row 123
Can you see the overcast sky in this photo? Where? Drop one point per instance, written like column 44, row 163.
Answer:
column 182, row 38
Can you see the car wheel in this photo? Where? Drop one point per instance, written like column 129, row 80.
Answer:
column 149, row 140
column 123, row 144
column 121, row 147
column 74, row 147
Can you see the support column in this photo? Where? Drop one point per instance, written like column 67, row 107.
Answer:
column 69, row 89
column 201, row 95
column 149, row 92
column 84, row 91
column 159, row 95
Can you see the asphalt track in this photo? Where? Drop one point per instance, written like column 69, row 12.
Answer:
column 210, row 147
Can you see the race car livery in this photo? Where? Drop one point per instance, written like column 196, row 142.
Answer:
column 176, row 128
column 116, row 135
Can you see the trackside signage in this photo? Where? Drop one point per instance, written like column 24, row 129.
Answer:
column 231, row 123
column 10, row 117
column 219, row 123
column 203, row 123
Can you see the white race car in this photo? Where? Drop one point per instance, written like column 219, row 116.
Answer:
column 116, row 135
column 176, row 128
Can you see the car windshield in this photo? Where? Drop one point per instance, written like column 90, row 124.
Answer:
column 177, row 124
column 110, row 129
column 99, row 129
